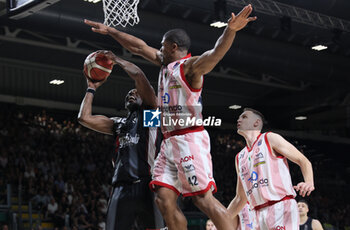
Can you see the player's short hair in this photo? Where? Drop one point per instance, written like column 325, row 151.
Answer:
column 256, row 112
column 303, row 201
column 180, row 37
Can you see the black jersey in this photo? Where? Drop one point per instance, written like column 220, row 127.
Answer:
column 307, row 225
column 136, row 147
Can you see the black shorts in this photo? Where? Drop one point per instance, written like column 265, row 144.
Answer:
column 130, row 202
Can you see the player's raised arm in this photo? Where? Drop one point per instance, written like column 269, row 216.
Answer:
column 98, row 123
column 198, row 66
column 144, row 88
column 135, row 45
column 283, row 147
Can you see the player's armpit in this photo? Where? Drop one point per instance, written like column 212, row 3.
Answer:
column 193, row 77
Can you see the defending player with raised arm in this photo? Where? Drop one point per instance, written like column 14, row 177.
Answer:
column 171, row 51
column 263, row 176
column 135, row 149
column 183, row 165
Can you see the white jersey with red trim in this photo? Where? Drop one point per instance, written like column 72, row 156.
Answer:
column 264, row 176
column 179, row 103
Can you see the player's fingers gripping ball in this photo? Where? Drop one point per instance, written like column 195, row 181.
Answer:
column 97, row 66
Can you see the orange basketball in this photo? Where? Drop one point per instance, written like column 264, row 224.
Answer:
column 97, row 66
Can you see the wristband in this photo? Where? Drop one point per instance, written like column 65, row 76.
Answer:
column 91, row 90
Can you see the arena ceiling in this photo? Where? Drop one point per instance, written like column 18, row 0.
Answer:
column 271, row 65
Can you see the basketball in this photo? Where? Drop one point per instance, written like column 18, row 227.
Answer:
column 97, row 66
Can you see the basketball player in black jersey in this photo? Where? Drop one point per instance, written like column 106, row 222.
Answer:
column 307, row 223
column 135, row 148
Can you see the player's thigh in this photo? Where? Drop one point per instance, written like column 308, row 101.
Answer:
column 165, row 170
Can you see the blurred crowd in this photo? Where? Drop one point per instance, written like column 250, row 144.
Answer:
column 65, row 170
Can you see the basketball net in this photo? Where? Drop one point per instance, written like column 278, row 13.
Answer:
column 120, row 12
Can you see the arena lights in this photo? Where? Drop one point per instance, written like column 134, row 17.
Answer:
column 319, row 47
column 218, row 24
column 92, row 1
column 235, row 107
column 56, row 82
column 300, row 118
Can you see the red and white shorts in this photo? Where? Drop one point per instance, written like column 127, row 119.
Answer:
column 283, row 215
column 184, row 164
column 246, row 218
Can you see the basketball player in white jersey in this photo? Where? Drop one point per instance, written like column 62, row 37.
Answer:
column 263, row 176
column 183, row 165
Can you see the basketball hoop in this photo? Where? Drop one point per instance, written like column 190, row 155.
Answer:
column 120, row 12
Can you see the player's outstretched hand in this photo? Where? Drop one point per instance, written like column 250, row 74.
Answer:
column 304, row 188
column 242, row 19
column 97, row 27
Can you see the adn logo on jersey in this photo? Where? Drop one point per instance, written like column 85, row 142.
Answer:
column 151, row 118
column 186, row 158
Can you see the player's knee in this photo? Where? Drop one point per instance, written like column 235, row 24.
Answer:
column 162, row 203
column 159, row 201
column 165, row 199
